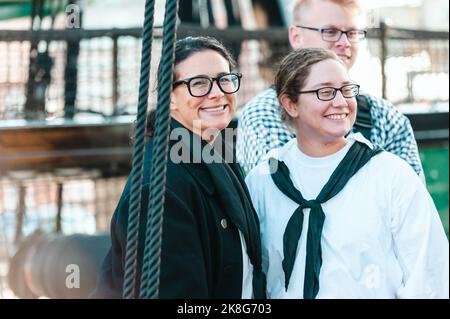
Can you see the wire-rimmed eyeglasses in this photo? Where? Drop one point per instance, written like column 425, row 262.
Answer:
column 201, row 85
column 334, row 35
column 329, row 93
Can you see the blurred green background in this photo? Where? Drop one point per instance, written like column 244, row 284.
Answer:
column 435, row 164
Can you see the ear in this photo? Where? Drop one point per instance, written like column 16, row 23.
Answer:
column 290, row 106
column 294, row 37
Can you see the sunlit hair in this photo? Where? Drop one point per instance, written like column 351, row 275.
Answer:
column 301, row 5
column 294, row 70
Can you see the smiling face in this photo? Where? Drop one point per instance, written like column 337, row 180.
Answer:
column 326, row 14
column 213, row 111
column 322, row 122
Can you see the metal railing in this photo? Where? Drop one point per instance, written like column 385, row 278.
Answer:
column 106, row 80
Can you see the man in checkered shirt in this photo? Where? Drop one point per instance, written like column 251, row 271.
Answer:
column 329, row 24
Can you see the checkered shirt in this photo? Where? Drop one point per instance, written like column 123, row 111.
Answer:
column 261, row 129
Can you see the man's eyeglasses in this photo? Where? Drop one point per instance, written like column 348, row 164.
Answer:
column 329, row 93
column 199, row 86
column 334, row 35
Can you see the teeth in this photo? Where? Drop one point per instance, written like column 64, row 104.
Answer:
column 215, row 109
column 336, row 116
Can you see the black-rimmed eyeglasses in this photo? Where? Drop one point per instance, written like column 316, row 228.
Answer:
column 334, row 35
column 201, row 85
column 329, row 93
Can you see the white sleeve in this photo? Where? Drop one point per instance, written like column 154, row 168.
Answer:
column 253, row 184
column 419, row 239
column 256, row 183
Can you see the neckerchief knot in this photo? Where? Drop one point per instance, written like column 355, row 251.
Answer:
column 357, row 156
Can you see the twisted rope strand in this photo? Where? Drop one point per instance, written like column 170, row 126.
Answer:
column 129, row 284
column 152, row 251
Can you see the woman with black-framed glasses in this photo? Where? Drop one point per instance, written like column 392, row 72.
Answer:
column 210, row 241
column 340, row 218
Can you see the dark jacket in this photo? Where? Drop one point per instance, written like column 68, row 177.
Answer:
column 201, row 255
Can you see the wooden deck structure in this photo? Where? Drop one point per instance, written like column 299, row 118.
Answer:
column 46, row 147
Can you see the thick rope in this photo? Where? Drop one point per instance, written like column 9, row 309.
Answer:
column 129, row 283
column 152, row 251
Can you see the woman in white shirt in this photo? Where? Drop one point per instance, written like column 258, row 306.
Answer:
column 339, row 217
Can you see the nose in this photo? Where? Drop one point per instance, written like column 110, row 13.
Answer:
column 339, row 100
column 343, row 41
column 215, row 90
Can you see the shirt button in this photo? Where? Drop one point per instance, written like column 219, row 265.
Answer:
column 224, row 223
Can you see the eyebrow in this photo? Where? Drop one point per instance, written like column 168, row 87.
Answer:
column 337, row 28
column 324, row 84
column 207, row 76
column 331, row 84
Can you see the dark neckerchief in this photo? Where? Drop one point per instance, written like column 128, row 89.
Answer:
column 235, row 200
column 357, row 156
